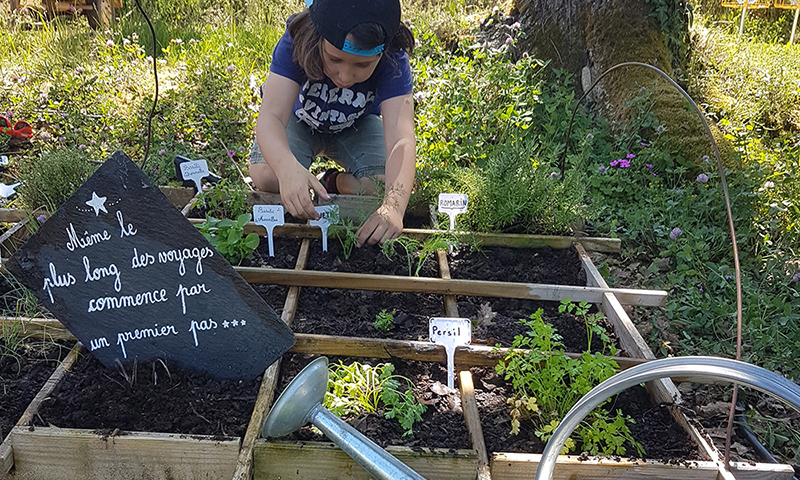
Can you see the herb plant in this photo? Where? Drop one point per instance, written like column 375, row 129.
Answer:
column 547, row 383
column 225, row 199
column 358, row 387
column 384, row 320
column 347, row 237
column 227, row 236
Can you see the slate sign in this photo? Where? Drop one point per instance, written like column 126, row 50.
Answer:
column 130, row 277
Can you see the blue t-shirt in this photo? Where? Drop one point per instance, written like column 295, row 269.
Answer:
column 327, row 108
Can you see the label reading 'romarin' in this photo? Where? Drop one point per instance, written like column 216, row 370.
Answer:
column 130, row 277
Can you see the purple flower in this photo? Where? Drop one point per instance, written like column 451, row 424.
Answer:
column 675, row 233
column 648, row 165
column 72, row 9
column 624, row 163
column 61, row 139
column 602, row 170
column 700, row 287
column 661, row 129
column 702, row 178
column 706, row 159
column 162, row 151
column 93, row 142
column 516, row 26
column 614, row 163
column 509, row 41
column 41, row 218
column 589, row 136
column 231, row 153
column 629, row 156
column 796, row 277
column 644, row 144
column 79, row 69
column 727, row 277
column 155, row 170
column 553, row 175
column 81, row 147
column 241, row 149
column 231, row 68
column 202, row 116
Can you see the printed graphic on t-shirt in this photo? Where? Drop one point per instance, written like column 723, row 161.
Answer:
column 329, row 108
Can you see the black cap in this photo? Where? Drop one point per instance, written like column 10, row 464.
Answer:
column 334, row 19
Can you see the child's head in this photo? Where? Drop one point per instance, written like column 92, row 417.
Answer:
column 352, row 33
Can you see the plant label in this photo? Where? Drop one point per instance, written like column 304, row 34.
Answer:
column 450, row 332
column 132, row 279
column 195, row 170
column 3, row 161
column 268, row 216
column 452, row 204
column 8, row 190
column 328, row 215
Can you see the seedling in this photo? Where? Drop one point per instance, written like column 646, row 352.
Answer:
column 357, row 388
column 227, row 236
column 384, row 321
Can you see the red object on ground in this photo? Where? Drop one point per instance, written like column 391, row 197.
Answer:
column 21, row 129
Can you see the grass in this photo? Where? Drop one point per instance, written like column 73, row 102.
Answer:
column 488, row 124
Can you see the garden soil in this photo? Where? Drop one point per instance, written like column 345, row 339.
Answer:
column 23, row 372
column 149, row 397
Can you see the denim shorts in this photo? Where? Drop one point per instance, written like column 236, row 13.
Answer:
column 359, row 149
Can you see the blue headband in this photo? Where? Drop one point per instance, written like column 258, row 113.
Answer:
column 350, row 47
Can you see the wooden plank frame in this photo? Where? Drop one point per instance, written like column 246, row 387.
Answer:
column 258, row 458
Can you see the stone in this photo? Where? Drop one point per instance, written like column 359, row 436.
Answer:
column 132, row 278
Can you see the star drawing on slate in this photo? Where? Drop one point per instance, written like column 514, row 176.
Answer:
column 225, row 324
column 98, row 203
column 244, row 322
column 235, row 323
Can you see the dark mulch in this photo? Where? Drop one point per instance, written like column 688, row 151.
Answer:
column 22, row 375
column 95, row 397
column 559, row 266
column 441, row 425
column 496, row 321
column 351, row 313
column 367, row 259
column 286, row 250
column 655, row 429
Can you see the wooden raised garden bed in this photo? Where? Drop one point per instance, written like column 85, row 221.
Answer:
column 68, row 453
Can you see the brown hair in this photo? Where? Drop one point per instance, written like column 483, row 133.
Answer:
column 307, row 44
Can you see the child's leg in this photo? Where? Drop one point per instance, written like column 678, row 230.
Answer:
column 304, row 146
column 361, row 150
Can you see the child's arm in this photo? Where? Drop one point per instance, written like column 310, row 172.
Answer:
column 398, row 132
column 282, row 172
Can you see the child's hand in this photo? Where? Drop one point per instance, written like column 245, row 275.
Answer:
column 385, row 224
column 295, row 185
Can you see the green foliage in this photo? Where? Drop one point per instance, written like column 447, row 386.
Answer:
column 348, row 236
column 384, row 320
column 227, row 237
column 674, row 17
column 357, row 388
column 547, row 383
column 224, row 199
column 48, row 181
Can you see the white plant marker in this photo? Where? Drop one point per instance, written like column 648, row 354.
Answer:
column 450, row 332
column 3, row 161
column 268, row 216
column 452, row 204
column 195, row 170
column 8, row 190
column 328, row 215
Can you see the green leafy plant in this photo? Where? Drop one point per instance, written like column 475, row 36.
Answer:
column 357, row 388
column 347, row 236
column 546, row 384
column 409, row 245
column 224, row 199
column 227, row 237
column 49, row 180
column 384, row 320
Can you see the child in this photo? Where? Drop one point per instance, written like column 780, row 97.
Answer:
column 340, row 86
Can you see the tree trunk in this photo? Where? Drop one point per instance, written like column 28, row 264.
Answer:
column 587, row 38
